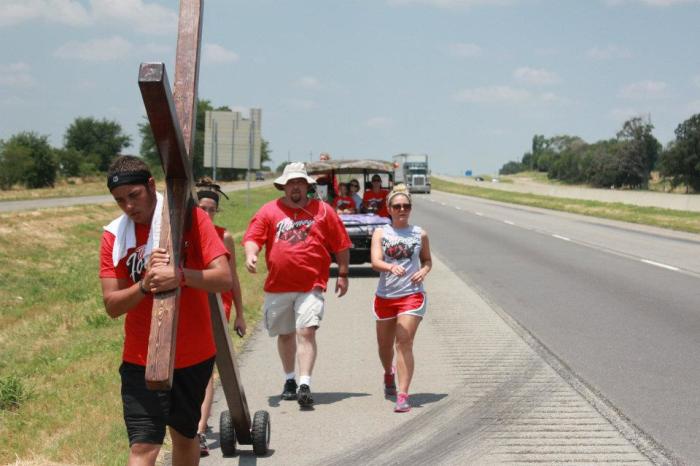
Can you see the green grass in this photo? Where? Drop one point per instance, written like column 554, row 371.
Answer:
column 59, row 352
column 664, row 218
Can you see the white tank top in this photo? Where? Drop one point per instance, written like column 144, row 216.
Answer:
column 400, row 246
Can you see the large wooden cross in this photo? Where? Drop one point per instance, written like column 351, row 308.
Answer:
column 172, row 117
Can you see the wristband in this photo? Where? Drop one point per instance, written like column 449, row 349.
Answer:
column 143, row 288
column 342, row 275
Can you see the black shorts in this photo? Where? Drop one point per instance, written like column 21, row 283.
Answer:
column 147, row 412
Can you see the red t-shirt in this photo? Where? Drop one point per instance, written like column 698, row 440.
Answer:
column 343, row 203
column 195, row 342
column 298, row 244
column 376, row 202
column 226, row 296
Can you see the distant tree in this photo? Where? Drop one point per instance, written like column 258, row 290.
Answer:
column 72, row 162
column 680, row 163
column 639, row 152
column 15, row 162
column 148, row 150
column 511, row 168
column 103, row 138
column 34, row 158
column 265, row 154
column 602, row 168
column 280, row 167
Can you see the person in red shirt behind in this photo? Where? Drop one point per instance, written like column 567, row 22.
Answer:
column 299, row 235
column 208, row 195
column 374, row 200
column 343, row 203
column 131, row 270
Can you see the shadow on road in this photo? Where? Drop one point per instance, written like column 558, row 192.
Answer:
column 420, row 399
column 356, row 271
column 320, row 398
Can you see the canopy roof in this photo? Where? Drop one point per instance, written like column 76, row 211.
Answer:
column 350, row 166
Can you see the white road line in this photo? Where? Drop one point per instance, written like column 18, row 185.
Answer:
column 663, row 266
column 562, row 237
column 508, row 222
column 442, row 203
column 479, row 214
column 458, row 207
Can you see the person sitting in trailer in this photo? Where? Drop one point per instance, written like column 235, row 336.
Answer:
column 374, row 199
column 343, row 202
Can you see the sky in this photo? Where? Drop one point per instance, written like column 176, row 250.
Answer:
column 468, row 82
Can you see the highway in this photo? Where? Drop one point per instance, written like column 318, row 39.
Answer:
column 616, row 303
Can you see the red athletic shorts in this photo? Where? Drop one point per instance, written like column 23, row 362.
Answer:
column 388, row 308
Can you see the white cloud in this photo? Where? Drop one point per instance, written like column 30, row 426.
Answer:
column 465, row 50
column 535, row 76
column 69, row 12
column 451, row 3
column 302, row 104
column 643, row 90
column 308, row 82
column 141, row 15
column 621, row 115
column 696, row 80
column 492, row 94
column 506, row 95
column 156, row 51
column 99, row 50
column 609, row 52
column 145, row 17
column 379, row 122
column 217, row 54
column 16, row 75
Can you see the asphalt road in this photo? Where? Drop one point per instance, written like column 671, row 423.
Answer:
column 617, row 303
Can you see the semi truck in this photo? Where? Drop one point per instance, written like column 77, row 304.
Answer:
column 412, row 169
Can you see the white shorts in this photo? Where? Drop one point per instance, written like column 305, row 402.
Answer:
column 286, row 312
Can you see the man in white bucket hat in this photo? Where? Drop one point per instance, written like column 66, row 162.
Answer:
column 299, row 235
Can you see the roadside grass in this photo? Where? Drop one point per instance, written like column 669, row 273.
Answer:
column 71, row 187
column 59, row 352
column 664, row 218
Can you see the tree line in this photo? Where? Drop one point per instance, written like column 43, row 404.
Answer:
column 625, row 161
column 89, row 146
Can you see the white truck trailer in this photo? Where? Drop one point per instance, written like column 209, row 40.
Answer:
column 413, row 170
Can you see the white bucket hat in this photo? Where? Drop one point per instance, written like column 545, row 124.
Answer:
column 291, row 171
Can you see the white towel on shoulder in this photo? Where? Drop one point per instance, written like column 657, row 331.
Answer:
column 124, row 231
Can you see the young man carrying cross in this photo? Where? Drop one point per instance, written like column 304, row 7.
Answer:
column 131, row 270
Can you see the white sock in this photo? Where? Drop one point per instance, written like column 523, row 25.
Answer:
column 305, row 380
column 291, row 375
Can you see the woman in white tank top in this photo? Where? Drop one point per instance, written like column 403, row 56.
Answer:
column 401, row 253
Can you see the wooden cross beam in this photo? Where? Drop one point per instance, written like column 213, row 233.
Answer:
column 172, row 118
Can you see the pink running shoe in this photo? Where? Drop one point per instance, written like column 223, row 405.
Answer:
column 389, row 384
column 402, row 405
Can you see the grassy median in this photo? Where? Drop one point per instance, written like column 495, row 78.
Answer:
column 665, row 218
column 59, row 351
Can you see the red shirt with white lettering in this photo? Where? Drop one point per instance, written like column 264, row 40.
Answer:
column 343, row 202
column 195, row 342
column 376, row 202
column 298, row 244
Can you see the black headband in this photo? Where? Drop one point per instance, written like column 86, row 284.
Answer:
column 208, row 194
column 122, row 178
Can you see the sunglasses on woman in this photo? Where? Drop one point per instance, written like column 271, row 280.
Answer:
column 401, row 206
